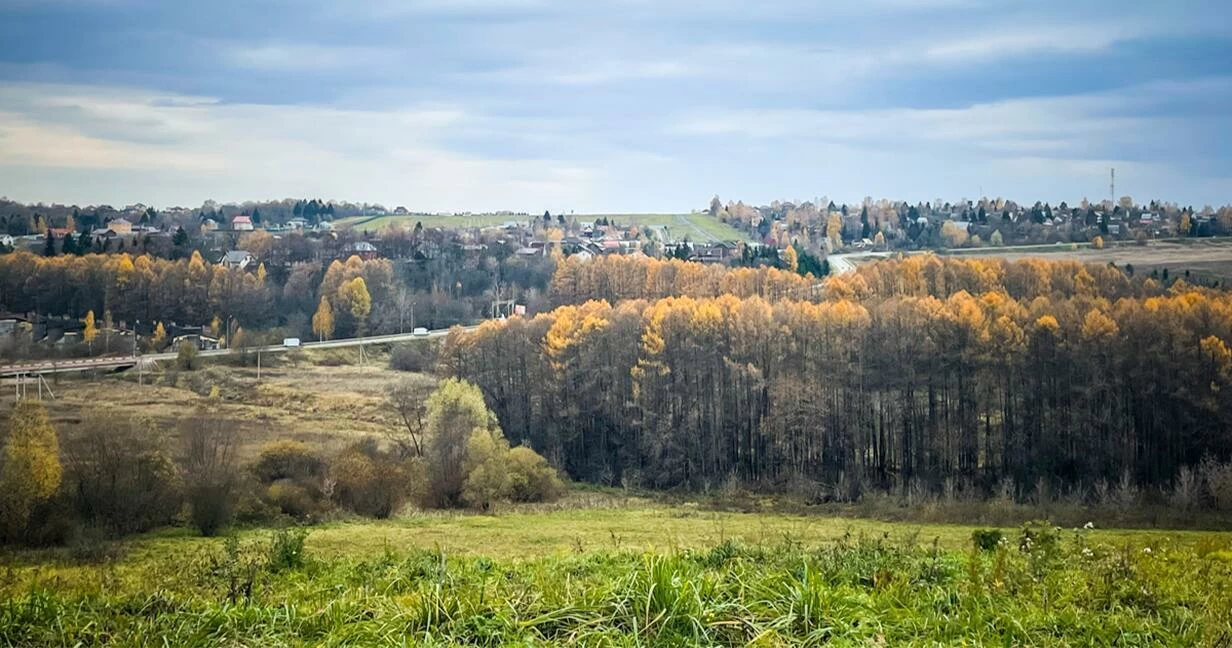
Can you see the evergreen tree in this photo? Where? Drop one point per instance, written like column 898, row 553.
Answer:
column 49, row 250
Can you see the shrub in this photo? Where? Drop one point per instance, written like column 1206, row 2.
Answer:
column 419, row 357
column 1218, row 479
column 368, row 482
column 30, row 470
column 487, row 472
column 186, row 357
column 1186, row 490
column 288, row 460
column 210, row 472
column 531, row 477
column 986, row 539
column 119, row 476
column 292, row 499
column 286, row 551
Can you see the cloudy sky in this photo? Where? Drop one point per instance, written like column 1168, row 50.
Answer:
column 609, row 106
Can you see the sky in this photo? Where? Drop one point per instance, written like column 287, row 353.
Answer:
column 613, row 106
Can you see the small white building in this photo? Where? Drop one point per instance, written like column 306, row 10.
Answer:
column 237, row 259
column 241, row 223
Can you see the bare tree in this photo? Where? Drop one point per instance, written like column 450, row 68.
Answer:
column 211, row 472
column 407, row 398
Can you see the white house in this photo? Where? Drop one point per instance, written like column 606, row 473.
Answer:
column 241, row 223
column 237, row 259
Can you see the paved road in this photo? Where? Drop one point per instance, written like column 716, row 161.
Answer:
column 844, row 263
column 116, row 362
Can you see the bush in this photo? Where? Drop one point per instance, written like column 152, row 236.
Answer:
column 1218, row 479
column 30, row 470
column 454, row 411
column 186, row 357
column 368, row 482
column 419, row 357
column 486, row 469
column 210, row 472
column 119, row 476
column 986, row 539
column 288, row 460
column 531, row 477
column 292, row 499
column 286, row 551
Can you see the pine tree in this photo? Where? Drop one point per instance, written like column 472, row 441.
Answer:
column 49, row 250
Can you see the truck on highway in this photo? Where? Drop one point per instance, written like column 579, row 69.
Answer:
column 419, row 331
column 290, row 342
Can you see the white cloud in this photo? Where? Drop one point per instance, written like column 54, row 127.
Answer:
column 239, row 151
column 291, row 57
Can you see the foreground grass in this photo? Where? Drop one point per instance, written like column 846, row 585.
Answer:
column 642, row 575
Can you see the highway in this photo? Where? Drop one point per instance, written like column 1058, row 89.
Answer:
column 119, row 362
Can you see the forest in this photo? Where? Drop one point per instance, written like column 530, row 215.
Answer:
column 982, row 376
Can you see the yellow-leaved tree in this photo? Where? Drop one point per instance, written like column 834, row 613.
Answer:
column 323, row 320
column 355, row 303
column 790, row 259
column 91, row 330
column 159, row 339
column 30, row 471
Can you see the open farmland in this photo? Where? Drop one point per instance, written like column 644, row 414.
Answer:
column 695, row 226
column 321, row 398
column 1207, row 259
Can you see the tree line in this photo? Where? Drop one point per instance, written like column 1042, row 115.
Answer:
column 190, row 292
column 923, row 371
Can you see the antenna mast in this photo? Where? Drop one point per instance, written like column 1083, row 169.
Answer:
column 1112, row 186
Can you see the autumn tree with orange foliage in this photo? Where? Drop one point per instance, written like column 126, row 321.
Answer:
column 920, row 370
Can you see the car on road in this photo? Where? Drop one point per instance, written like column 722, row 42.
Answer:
column 419, row 331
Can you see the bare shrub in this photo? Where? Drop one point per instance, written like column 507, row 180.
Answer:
column 1103, row 493
column 1218, row 480
column 419, row 356
column 1006, row 491
column 119, row 475
column 1127, row 495
column 211, row 476
column 949, row 491
column 1186, row 489
column 1043, row 495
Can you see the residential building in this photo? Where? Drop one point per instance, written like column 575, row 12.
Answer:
column 237, row 259
column 120, row 226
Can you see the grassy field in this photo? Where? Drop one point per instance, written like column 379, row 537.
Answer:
column 1204, row 258
column 323, row 398
column 696, row 226
column 602, row 567
column 618, row 572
